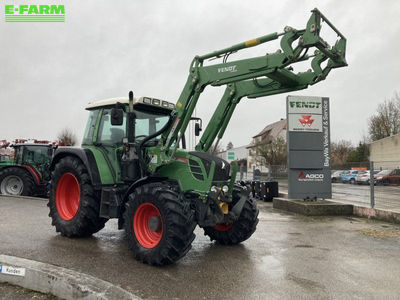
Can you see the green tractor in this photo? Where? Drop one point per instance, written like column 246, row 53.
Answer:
column 133, row 164
column 28, row 173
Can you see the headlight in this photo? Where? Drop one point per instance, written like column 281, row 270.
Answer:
column 225, row 188
column 214, row 189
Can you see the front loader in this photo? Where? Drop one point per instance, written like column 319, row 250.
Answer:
column 133, row 164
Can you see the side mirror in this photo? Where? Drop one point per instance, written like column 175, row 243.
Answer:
column 117, row 116
column 197, row 129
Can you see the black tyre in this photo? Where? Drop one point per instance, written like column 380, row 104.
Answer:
column 240, row 230
column 16, row 181
column 74, row 205
column 158, row 224
column 334, row 180
column 352, row 181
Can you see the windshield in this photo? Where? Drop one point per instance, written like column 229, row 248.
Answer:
column 384, row 172
column 147, row 123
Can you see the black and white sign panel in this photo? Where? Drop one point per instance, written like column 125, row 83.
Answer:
column 308, row 139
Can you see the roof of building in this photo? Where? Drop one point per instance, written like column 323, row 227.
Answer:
column 270, row 132
column 273, row 129
column 382, row 139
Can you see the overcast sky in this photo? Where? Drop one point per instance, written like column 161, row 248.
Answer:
column 50, row 71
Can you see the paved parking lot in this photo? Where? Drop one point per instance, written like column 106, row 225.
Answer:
column 289, row 256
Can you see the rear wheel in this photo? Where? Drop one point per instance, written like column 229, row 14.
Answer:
column 240, row 230
column 16, row 181
column 74, row 205
column 158, row 224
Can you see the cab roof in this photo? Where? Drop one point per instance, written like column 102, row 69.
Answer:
column 125, row 100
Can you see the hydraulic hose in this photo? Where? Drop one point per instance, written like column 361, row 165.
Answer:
column 142, row 162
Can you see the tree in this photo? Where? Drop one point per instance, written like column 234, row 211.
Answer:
column 272, row 152
column 218, row 150
column 340, row 151
column 360, row 154
column 229, row 146
column 67, row 137
column 386, row 121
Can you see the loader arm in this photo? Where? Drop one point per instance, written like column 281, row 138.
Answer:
column 254, row 77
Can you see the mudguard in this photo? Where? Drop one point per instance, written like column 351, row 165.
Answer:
column 85, row 155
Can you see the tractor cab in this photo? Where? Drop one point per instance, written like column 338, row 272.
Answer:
column 107, row 132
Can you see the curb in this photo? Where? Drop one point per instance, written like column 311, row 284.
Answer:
column 314, row 208
column 58, row 281
column 377, row 214
column 24, row 197
column 367, row 212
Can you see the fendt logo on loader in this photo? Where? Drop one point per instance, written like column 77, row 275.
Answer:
column 306, row 120
column 310, row 177
column 231, row 69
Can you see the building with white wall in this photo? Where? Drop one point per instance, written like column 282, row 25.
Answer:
column 385, row 153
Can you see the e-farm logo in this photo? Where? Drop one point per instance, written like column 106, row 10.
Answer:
column 34, row 13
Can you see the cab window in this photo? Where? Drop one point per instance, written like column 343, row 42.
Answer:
column 110, row 134
column 36, row 155
column 90, row 126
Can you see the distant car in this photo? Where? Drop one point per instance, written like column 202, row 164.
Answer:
column 388, row 177
column 349, row 176
column 336, row 176
column 363, row 177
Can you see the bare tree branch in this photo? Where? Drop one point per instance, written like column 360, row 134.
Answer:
column 67, row 137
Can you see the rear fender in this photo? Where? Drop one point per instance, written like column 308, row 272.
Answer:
column 87, row 158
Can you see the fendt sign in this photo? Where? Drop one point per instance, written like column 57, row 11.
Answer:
column 308, row 138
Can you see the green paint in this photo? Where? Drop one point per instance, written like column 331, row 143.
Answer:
column 34, row 13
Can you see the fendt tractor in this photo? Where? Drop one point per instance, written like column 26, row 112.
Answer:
column 133, row 164
column 28, row 173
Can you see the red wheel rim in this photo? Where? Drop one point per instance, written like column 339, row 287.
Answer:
column 144, row 235
column 223, row 226
column 68, row 195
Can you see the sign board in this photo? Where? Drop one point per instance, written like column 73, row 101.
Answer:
column 12, row 270
column 231, row 155
column 308, row 140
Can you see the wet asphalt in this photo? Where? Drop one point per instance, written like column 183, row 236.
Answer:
column 289, row 256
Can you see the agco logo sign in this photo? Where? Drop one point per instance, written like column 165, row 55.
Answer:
column 303, row 176
column 306, row 120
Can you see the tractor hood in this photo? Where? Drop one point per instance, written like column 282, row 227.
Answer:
column 222, row 167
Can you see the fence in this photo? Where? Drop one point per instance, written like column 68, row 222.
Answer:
column 353, row 183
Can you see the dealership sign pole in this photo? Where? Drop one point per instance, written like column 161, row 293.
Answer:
column 308, row 144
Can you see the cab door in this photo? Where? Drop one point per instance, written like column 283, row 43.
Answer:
column 395, row 176
column 109, row 142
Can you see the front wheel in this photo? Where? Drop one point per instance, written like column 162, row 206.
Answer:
column 158, row 224
column 74, row 205
column 238, row 231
